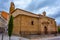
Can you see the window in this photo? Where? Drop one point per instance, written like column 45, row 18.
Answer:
column 32, row 23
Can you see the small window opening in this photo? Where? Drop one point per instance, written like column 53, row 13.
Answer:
column 32, row 23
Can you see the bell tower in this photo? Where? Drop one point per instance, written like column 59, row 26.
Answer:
column 44, row 13
column 12, row 7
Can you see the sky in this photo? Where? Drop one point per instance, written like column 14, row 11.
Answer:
column 52, row 7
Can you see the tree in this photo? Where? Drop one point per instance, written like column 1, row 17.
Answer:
column 10, row 27
column 59, row 30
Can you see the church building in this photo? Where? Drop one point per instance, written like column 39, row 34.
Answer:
column 29, row 23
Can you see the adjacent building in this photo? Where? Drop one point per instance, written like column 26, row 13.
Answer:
column 3, row 20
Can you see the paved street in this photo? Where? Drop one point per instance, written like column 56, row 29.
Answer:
column 20, row 38
column 5, row 37
column 53, row 38
column 48, row 38
column 56, row 38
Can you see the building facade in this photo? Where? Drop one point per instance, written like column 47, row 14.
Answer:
column 29, row 23
column 3, row 20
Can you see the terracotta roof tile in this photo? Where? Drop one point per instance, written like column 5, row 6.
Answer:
column 5, row 15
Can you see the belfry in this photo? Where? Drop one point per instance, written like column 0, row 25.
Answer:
column 12, row 7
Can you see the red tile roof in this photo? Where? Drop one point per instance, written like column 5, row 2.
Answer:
column 5, row 15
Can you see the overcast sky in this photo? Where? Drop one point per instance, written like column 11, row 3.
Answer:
column 52, row 7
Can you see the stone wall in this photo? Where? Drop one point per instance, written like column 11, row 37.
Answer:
column 25, row 24
column 16, row 27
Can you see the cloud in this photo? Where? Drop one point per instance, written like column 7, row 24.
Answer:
column 58, row 21
column 35, row 5
column 56, row 15
column 49, row 10
column 4, row 5
column 52, row 7
column 21, row 3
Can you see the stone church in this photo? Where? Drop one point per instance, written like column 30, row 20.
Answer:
column 29, row 23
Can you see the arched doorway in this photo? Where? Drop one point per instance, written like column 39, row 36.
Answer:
column 45, row 30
